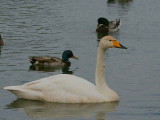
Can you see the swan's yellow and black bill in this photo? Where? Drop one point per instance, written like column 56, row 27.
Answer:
column 118, row 45
column 74, row 57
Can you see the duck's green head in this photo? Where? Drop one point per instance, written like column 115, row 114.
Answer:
column 68, row 54
column 103, row 21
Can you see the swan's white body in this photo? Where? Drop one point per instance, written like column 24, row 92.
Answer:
column 60, row 88
column 65, row 88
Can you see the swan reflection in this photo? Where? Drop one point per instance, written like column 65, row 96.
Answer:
column 39, row 109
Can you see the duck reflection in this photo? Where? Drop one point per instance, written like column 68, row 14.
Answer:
column 101, row 35
column 1, row 47
column 0, row 50
column 121, row 2
column 38, row 109
column 65, row 70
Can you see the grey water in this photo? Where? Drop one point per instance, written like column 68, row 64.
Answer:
column 48, row 27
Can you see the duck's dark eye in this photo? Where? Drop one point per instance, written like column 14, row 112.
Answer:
column 110, row 40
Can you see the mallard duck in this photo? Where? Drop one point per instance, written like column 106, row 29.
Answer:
column 65, row 88
column 1, row 41
column 106, row 26
column 49, row 61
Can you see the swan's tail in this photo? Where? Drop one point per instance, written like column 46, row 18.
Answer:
column 11, row 88
column 14, row 89
column 24, row 93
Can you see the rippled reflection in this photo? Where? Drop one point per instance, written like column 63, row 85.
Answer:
column 121, row 2
column 100, row 35
column 38, row 109
column 0, row 51
column 123, row 7
column 65, row 70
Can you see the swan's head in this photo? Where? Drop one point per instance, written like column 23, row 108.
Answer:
column 110, row 42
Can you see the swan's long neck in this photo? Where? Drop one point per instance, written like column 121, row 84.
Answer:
column 100, row 69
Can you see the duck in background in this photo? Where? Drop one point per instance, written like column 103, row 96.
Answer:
column 49, row 61
column 1, row 41
column 106, row 26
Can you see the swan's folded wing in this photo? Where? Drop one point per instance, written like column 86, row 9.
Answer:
column 59, row 88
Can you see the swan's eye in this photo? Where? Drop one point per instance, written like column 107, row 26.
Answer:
column 110, row 40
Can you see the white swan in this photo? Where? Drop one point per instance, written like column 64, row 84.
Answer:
column 66, row 88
